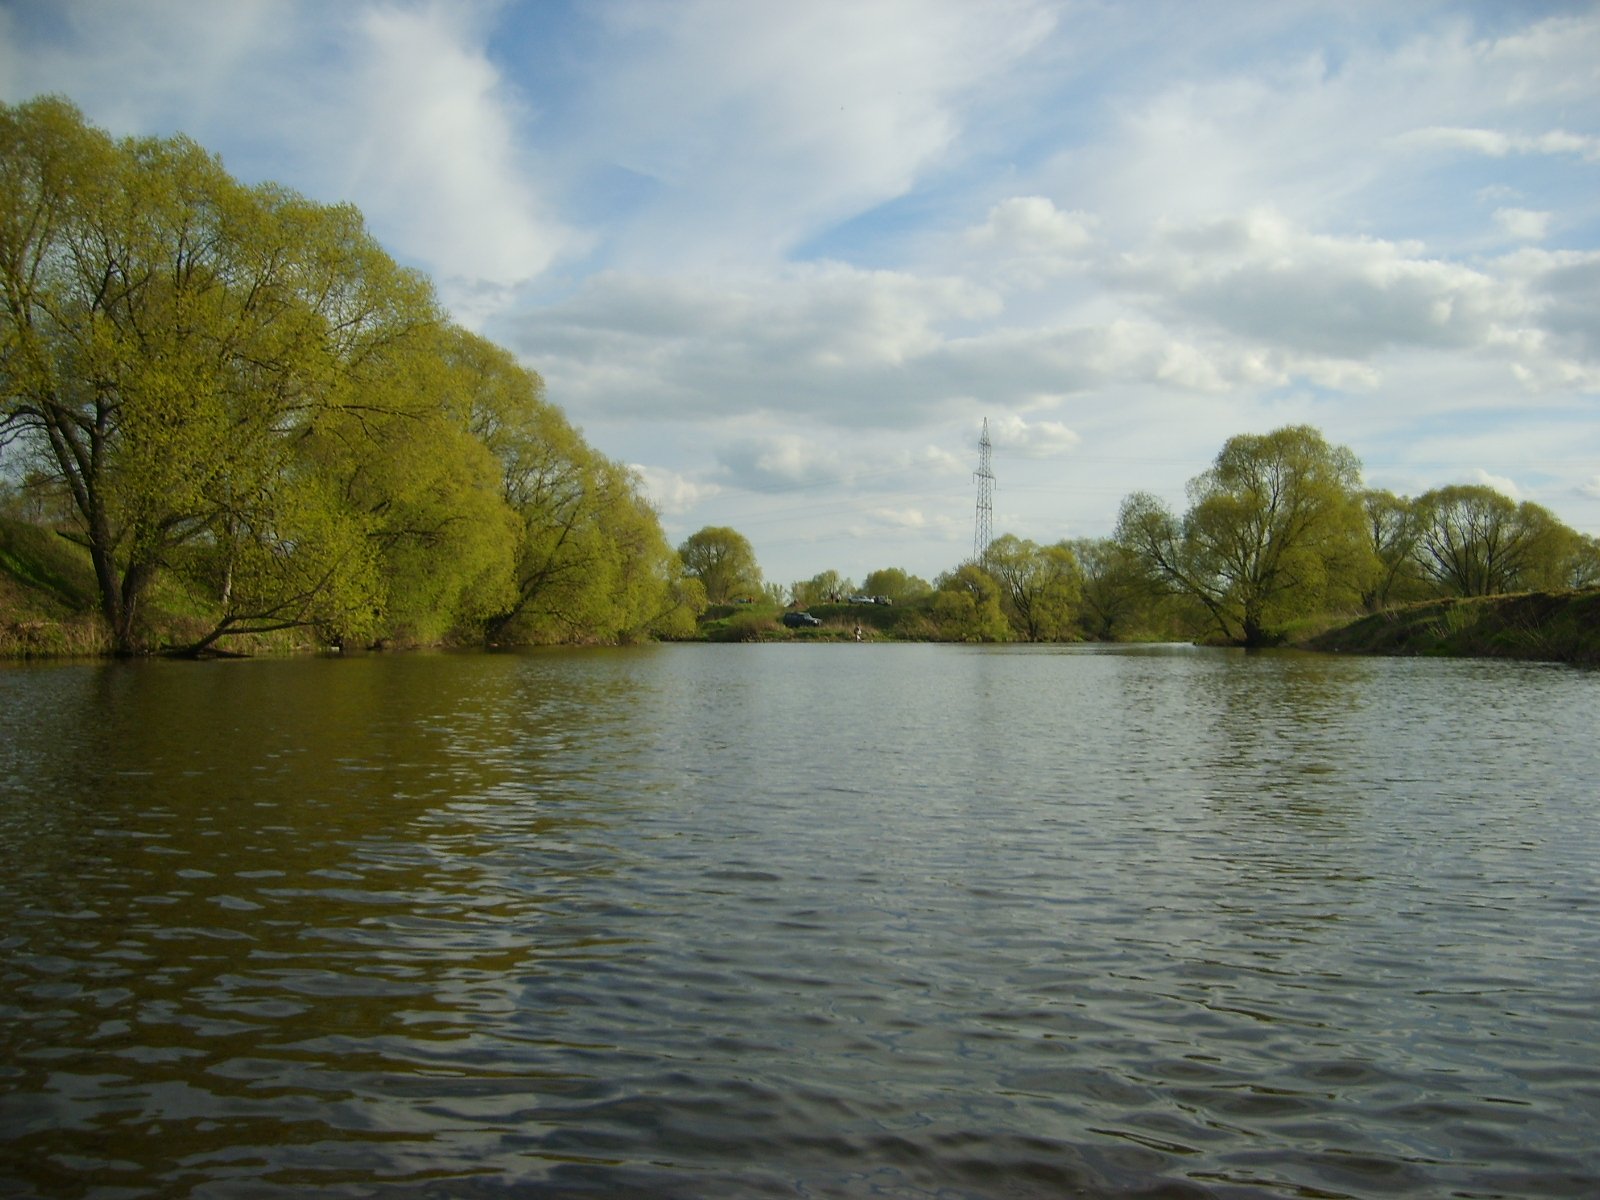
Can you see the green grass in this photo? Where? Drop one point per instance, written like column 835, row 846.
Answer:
column 47, row 595
column 50, row 608
column 48, row 574
column 764, row 623
column 1544, row 626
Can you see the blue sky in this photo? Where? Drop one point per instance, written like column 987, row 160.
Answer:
column 787, row 258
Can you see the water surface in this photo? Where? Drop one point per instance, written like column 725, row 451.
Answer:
column 800, row 921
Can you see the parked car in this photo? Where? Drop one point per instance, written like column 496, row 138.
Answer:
column 799, row 620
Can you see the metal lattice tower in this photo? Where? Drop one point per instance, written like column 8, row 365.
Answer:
column 983, row 532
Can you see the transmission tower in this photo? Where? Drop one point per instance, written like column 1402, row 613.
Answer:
column 983, row 531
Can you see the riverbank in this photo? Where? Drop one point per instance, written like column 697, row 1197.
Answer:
column 47, row 610
column 1541, row 626
column 48, row 605
column 1547, row 627
column 763, row 622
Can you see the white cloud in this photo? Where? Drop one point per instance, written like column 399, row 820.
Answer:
column 673, row 492
column 119, row 60
column 781, row 461
column 1028, row 240
column 832, row 341
column 1498, row 144
column 772, row 456
column 433, row 154
column 934, row 461
column 395, row 107
column 1523, row 224
column 1037, row 439
column 1326, row 126
column 1262, row 278
column 902, row 518
column 1503, row 484
column 764, row 122
column 1560, row 346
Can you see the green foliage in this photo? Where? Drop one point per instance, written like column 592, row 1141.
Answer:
column 966, row 607
column 1549, row 626
column 1040, row 587
column 724, row 562
column 1473, row 541
column 168, row 337
column 825, row 587
column 35, row 498
column 749, row 626
column 685, row 600
column 895, row 585
column 1114, row 596
column 1581, row 563
column 1391, row 528
column 1273, row 531
column 238, row 389
column 592, row 562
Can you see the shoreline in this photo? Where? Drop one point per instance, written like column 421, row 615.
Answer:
column 1559, row 627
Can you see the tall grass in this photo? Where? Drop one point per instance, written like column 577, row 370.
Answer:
column 74, row 637
column 49, row 604
column 1544, row 626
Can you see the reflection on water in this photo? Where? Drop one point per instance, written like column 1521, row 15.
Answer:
column 796, row 921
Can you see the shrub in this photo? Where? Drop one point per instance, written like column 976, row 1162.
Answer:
column 745, row 627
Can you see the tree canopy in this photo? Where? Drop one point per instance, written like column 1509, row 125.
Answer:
column 822, row 588
column 240, row 388
column 171, row 339
column 1473, row 541
column 1272, row 528
column 896, row 585
column 1039, row 586
column 724, row 562
column 966, row 606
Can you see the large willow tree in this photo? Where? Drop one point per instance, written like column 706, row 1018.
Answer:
column 1040, row 586
column 1273, row 529
column 591, row 562
column 172, row 345
column 1472, row 541
column 239, row 388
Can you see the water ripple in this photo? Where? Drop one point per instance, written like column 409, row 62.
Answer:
column 742, row 921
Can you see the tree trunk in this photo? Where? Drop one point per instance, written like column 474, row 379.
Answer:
column 124, row 634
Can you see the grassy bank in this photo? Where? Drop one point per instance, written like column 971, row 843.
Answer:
column 49, row 604
column 764, row 623
column 1558, row 627
column 1544, row 626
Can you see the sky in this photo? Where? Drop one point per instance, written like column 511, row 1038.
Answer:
column 787, row 259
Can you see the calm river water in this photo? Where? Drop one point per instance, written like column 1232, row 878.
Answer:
column 790, row 921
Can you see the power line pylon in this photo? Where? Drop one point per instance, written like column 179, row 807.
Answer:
column 983, row 532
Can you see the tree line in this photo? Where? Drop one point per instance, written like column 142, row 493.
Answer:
column 236, row 389
column 1279, row 529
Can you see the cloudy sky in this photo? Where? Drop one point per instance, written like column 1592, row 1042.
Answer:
column 786, row 257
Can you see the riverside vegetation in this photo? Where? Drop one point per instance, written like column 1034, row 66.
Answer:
column 47, row 609
column 231, row 423
column 254, row 423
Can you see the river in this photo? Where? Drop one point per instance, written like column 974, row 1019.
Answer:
column 800, row 921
